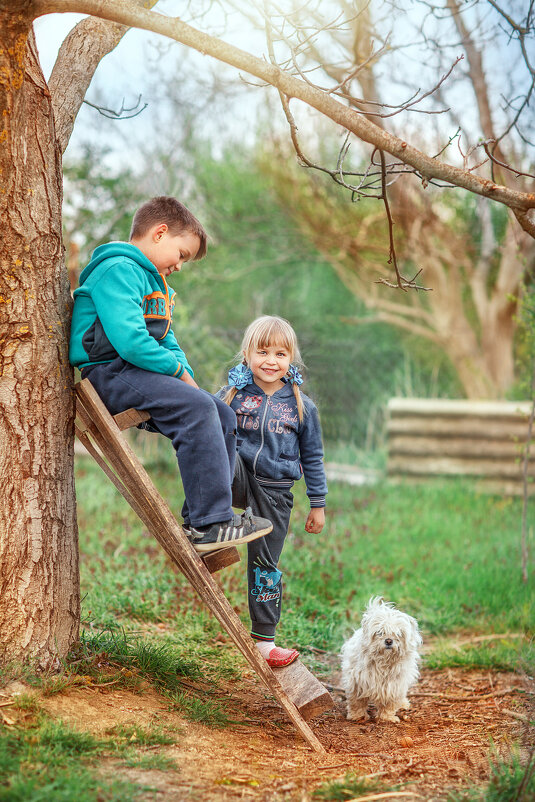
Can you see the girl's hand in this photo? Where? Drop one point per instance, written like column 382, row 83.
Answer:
column 316, row 520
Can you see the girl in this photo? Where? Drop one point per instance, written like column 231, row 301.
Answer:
column 279, row 440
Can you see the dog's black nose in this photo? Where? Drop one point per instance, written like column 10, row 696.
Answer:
column 388, row 642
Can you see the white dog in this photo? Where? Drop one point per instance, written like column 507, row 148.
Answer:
column 380, row 661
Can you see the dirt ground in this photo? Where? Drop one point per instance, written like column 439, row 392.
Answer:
column 443, row 743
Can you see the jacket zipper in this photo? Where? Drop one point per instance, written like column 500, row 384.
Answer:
column 262, row 435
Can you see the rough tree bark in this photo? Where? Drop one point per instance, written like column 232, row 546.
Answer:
column 39, row 585
column 39, row 611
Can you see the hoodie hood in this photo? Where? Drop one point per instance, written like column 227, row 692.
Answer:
column 113, row 250
column 123, row 307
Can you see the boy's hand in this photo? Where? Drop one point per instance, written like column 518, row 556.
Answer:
column 188, row 380
column 316, row 520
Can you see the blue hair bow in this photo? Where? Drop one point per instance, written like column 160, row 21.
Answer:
column 240, row 376
column 293, row 376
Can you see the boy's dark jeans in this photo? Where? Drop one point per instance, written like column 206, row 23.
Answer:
column 264, row 580
column 202, row 429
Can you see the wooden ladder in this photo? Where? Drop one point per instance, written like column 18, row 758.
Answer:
column 298, row 691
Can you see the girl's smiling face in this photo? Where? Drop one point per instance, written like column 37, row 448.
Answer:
column 269, row 364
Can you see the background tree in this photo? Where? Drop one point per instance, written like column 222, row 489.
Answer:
column 40, row 604
column 471, row 253
column 258, row 262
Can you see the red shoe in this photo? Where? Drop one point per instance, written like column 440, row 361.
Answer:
column 278, row 657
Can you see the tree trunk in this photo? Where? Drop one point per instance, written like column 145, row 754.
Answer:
column 39, row 585
column 471, row 364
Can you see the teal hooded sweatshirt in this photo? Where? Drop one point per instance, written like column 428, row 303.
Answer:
column 123, row 307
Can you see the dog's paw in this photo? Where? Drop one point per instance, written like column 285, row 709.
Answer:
column 386, row 716
column 356, row 713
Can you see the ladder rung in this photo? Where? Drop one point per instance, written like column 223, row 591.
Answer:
column 130, row 417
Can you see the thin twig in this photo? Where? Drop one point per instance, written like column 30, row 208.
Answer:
column 388, row 795
column 122, row 114
column 494, row 636
column 408, row 106
column 392, row 259
column 446, row 146
column 500, row 163
column 519, row 716
column 402, row 283
column 472, row 698
column 405, row 283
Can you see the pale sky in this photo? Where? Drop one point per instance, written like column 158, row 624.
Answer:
column 142, row 57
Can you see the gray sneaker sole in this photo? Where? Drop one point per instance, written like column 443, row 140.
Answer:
column 202, row 548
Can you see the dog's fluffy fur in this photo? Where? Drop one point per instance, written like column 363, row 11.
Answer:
column 380, row 661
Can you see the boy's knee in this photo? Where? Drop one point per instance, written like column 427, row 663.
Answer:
column 204, row 405
column 226, row 414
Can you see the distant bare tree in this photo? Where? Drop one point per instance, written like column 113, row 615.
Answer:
column 475, row 272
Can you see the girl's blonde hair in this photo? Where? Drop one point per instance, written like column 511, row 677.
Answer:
column 263, row 332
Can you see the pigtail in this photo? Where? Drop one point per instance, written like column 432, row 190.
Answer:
column 299, row 401
column 229, row 396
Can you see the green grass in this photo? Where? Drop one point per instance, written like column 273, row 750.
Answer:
column 205, row 711
column 511, row 781
column 444, row 553
column 47, row 760
column 163, row 662
column 350, row 787
column 140, row 736
column 345, row 453
column 501, row 654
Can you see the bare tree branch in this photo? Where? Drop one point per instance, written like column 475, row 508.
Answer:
column 124, row 112
column 485, row 146
column 471, row 257
column 401, row 282
column 127, row 13
column 522, row 30
column 79, row 56
column 526, row 222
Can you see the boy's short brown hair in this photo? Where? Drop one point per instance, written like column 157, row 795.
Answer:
column 168, row 210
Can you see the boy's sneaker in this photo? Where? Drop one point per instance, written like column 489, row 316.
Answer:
column 240, row 529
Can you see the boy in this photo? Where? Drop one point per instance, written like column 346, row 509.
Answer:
column 121, row 339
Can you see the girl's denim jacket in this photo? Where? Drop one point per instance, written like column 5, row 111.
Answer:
column 275, row 446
